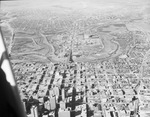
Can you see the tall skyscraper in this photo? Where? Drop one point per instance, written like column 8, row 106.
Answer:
column 56, row 91
column 53, row 103
column 73, row 98
column 62, row 105
column 64, row 113
column 34, row 111
column 70, row 59
column 51, row 93
column 63, row 94
column 24, row 105
column 47, row 105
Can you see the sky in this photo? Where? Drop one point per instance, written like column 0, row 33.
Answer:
column 76, row 3
column 84, row 5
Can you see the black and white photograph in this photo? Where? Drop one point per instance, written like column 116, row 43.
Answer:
column 75, row 58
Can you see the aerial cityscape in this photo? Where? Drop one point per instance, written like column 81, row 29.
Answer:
column 80, row 58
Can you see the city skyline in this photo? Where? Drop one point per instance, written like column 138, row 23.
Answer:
column 80, row 58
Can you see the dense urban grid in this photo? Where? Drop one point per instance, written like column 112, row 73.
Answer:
column 80, row 63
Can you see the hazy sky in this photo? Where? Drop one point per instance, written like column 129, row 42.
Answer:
column 74, row 3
